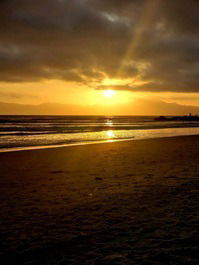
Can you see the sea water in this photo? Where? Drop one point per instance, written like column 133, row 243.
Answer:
column 28, row 132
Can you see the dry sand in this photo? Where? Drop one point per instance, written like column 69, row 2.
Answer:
column 132, row 202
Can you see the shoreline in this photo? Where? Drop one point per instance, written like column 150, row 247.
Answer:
column 53, row 146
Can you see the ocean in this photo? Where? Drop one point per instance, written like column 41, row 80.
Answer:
column 30, row 132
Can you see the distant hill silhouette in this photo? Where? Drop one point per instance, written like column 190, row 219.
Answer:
column 137, row 107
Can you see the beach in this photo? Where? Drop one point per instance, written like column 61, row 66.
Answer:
column 128, row 202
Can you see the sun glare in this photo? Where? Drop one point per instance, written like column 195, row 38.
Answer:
column 108, row 97
column 110, row 134
column 109, row 93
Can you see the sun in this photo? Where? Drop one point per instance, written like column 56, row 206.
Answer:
column 109, row 93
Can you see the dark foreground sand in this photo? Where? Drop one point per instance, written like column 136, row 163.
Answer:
column 132, row 202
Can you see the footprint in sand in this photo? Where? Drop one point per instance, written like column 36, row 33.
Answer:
column 98, row 178
column 170, row 177
column 57, row 172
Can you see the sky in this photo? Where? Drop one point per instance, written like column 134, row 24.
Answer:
column 73, row 51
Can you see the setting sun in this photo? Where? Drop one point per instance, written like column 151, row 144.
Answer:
column 109, row 93
column 99, row 132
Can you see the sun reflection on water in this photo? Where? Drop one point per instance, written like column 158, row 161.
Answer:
column 110, row 135
column 109, row 123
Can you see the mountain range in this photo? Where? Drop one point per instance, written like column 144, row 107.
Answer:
column 137, row 107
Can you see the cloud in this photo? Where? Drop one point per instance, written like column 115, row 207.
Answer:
column 115, row 87
column 16, row 95
column 153, row 42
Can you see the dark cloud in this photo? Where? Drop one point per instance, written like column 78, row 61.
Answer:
column 115, row 87
column 153, row 41
column 182, row 15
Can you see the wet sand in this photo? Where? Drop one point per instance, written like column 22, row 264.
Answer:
column 133, row 202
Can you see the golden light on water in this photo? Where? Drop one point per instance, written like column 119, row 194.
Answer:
column 109, row 123
column 110, row 134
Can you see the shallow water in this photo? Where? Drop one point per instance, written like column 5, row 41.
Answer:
column 27, row 132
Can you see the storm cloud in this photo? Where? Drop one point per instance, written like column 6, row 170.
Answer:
column 153, row 44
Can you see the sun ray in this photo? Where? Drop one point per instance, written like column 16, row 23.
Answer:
column 145, row 22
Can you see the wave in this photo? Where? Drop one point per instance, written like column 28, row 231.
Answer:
column 35, row 131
